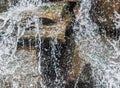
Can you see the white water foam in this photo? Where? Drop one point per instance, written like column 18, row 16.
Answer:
column 100, row 54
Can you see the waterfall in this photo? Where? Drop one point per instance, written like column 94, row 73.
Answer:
column 11, row 31
column 102, row 55
column 12, row 27
column 18, row 68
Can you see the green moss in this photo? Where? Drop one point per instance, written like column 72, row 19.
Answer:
column 54, row 7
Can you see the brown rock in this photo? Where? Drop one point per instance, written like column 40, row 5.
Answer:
column 52, row 21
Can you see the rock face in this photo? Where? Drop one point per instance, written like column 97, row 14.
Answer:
column 104, row 14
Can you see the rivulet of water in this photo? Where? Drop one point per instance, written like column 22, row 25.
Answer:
column 102, row 55
column 11, row 30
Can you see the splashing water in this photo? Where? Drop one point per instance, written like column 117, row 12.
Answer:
column 11, row 30
column 103, row 56
column 12, row 27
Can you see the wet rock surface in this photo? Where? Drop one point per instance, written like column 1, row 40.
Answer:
column 4, row 4
column 51, row 20
column 56, row 51
column 104, row 14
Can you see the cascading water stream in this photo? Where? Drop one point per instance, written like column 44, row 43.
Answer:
column 103, row 56
column 12, row 29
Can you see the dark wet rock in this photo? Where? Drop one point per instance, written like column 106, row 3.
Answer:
column 4, row 4
column 56, row 61
column 103, row 13
column 50, row 63
column 84, row 80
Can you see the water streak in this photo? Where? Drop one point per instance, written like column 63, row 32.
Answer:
column 97, row 52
